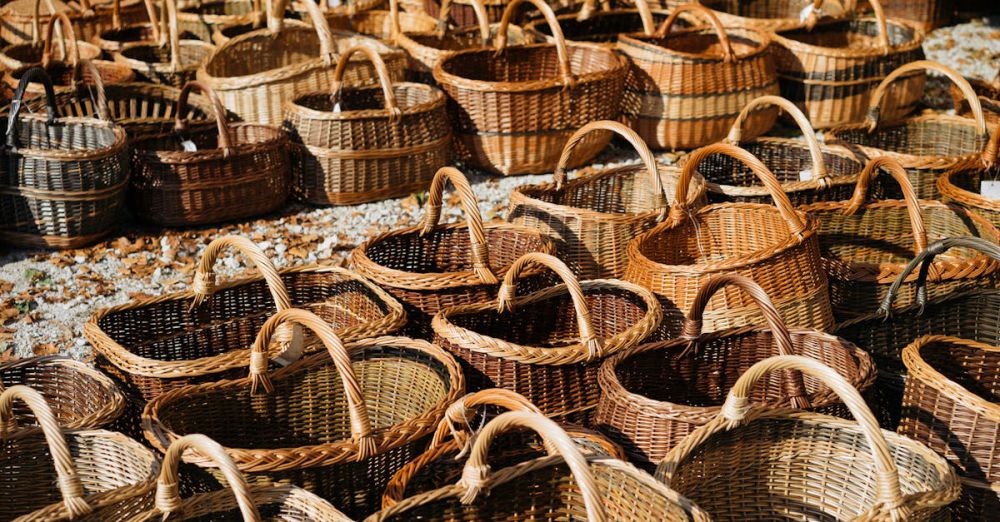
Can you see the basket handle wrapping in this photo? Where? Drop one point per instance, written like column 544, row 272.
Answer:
column 384, row 79
column 101, row 103
column 505, row 298
column 361, row 429
column 874, row 106
column 36, row 27
column 34, row 74
column 180, row 122
column 456, row 417
column 794, row 386
column 74, row 52
column 470, row 206
column 728, row 55
column 819, row 172
column 482, row 19
column 898, row 173
column 70, row 485
column 633, row 137
column 737, row 410
column 565, row 70
column 168, row 499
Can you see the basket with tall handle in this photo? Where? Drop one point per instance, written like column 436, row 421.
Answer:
column 170, row 61
column 13, row 56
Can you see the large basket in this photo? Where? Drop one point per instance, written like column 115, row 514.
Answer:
column 866, row 244
column 339, row 428
column 202, row 18
column 831, row 70
column 600, row 26
column 63, row 180
column 366, row 143
column 171, row 61
column 564, row 486
column 89, row 20
column 778, row 15
column 593, row 218
column 430, row 267
column 925, row 15
column 548, row 345
column 676, row 257
column 654, row 395
column 119, row 36
column 13, row 56
column 686, row 88
column 771, row 463
column 513, row 109
column 242, row 170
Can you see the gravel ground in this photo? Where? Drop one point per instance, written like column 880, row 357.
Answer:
column 46, row 297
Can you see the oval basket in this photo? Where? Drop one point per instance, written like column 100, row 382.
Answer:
column 119, row 36
column 31, row 52
column 170, row 62
column 202, row 17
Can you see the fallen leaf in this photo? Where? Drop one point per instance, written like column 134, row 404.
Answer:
column 45, row 349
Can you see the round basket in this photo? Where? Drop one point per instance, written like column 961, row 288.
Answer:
column 120, row 36
column 17, row 17
column 778, row 15
column 172, row 62
column 366, row 143
column 604, row 26
column 686, row 88
column 14, row 56
column 593, row 218
column 202, row 17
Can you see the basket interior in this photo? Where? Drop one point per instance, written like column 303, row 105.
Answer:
column 920, row 137
column 448, row 249
column 854, row 34
column 294, row 44
column 70, row 394
column 207, row 137
column 228, row 7
column 35, row 133
column 369, row 98
column 628, row 190
column 61, row 73
column 704, row 41
column 192, row 53
column 786, row 159
column 975, row 370
column 757, row 8
column 527, row 64
column 602, row 27
column 138, row 33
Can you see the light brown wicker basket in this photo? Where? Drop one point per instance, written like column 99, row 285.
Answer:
column 119, row 36
column 13, row 56
column 89, row 19
column 778, row 15
column 925, row 15
column 970, row 187
column 170, row 61
column 384, row 25
column 463, row 13
column 600, row 26
column 201, row 18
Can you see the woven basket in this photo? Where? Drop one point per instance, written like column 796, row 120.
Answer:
column 654, row 395
column 78, row 395
column 925, row 15
column 13, row 56
column 52, row 474
column 202, row 17
column 240, row 171
column 340, row 429
column 89, row 20
column 379, row 23
column 676, row 257
column 866, row 244
column 171, row 61
column 989, row 96
column 429, row 267
column 462, row 13
column 566, row 485
column 594, row 217
column 778, row 15
column 362, row 144
column 926, row 145
column 120, row 36
column 770, row 463
column 964, row 185
column 603, row 26
column 513, row 109
column 979, row 501
column 547, row 345
column 64, row 178
column 686, row 88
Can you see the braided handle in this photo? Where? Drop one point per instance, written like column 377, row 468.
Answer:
column 565, row 70
column 74, row 52
column 381, row 71
column 898, row 173
column 728, row 55
column 456, row 417
column 872, row 118
column 819, row 172
column 180, row 123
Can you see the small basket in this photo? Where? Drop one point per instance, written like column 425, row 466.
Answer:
column 17, row 18
column 339, row 428
column 429, row 267
column 362, row 144
column 14, row 56
column 925, row 15
column 120, row 36
column 171, row 62
column 547, row 345
column 778, row 15
column 238, row 172
column 686, row 88
column 593, row 218
column 600, row 26
column 769, row 463
column 201, row 18
column 654, row 395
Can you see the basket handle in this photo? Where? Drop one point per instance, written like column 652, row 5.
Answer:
column 154, row 20
column 101, row 102
column 505, row 298
column 883, row 27
column 819, row 172
column 470, row 206
column 874, row 106
column 898, row 173
column 68, row 35
column 327, row 47
column 36, row 74
column 728, row 55
column 737, row 410
column 70, row 485
column 180, row 122
column 482, row 19
column 565, row 70
column 679, row 209
column 589, row 7
column 456, row 417
column 172, row 29
column 168, row 498
column 476, row 473
column 384, row 79
column 36, row 27
column 361, row 429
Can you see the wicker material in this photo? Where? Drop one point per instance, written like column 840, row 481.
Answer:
column 13, row 56
column 89, row 19
column 120, row 36
column 242, row 170
column 925, row 15
column 676, row 257
column 202, row 17
column 866, row 244
column 604, row 26
column 380, row 23
column 51, row 474
column 547, row 345
column 926, row 145
column 778, row 15
column 831, row 70
column 564, row 486
column 964, row 186
column 339, row 428
column 463, row 13
column 63, row 179
column 513, row 109
column 979, row 501
column 430, row 267
column 171, row 61
column 686, row 88
column 362, row 144
column 654, row 395
column 593, row 218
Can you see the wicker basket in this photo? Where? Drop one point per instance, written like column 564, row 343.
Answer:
column 770, row 463
column 513, row 109
column 778, row 15
column 120, row 36
column 339, row 428
column 547, row 345
column 52, row 474
column 362, row 144
column 384, row 25
column 201, row 18
column 13, row 56
column 240, row 171
column 600, row 26
column 989, row 96
column 430, row 266
column 864, row 244
column 676, row 257
column 686, row 88
column 654, row 395
column 979, row 501
column 925, row 15
column 463, row 13
column 64, row 178
column 89, row 20
column 563, row 486
column 171, row 61
column 964, row 185
column 926, row 145
column 594, row 217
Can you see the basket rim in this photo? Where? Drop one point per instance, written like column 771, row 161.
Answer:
column 192, row 13
column 97, row 10
column 114, row 148
column 918, row 368
column 437, row 101
column 172, row 156
column 797, row 46
column 135, row 90
column 162, row 66
column 87, row 50
column 649, row 43
column 962, row 196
